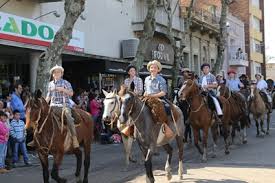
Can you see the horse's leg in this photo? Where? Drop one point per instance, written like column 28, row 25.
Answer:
column 58, row 157
column 45, row 165
column 262, row 125
column 243, row 127
column 127, row 142
column 204, row 141
column 214, row 131
column 87, row 151
column 196, row 139
column 257, row 125
column 148, row 167
column 180, row 153
column 78, row 155
column 168, row 169
column 225, row 137
column 268, row 123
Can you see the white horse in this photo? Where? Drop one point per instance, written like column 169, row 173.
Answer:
column 112, row 111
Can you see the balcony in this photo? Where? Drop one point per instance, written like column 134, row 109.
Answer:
column 203, row 20
column 256, row 12
column 256, row 34
column 238, row 60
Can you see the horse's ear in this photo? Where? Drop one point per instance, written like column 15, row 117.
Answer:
column 105, row 92
column 115, row 91
column 38, row 94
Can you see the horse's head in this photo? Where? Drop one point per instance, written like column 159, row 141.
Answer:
column 127, row 103
column 175, row 95
column 111, row 105
column 35, row 106
column 253, row 91
column 188, row 88
column 222, row 90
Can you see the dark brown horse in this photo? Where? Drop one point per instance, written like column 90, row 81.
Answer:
column 238, row 111
column 200, row 116
column 52, row 137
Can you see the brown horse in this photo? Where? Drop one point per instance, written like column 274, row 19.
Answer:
column 238, row 117
column 259, row 110
column 200, row 116
column 51, row 137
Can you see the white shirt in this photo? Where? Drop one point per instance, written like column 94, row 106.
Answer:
column 204, row 81
column 262, row 85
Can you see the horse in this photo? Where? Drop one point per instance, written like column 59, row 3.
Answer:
column 111, row 112
column 259, row 110
column 148, row 131
column 200, row 116
column 184, row 106
column 52, row 137
column 238, row 118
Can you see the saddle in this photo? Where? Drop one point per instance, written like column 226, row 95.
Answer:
column 76, row 114
column 209, row 101
column 160, row 112
column 265, row 99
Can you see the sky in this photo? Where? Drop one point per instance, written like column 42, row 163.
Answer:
column 270, row 27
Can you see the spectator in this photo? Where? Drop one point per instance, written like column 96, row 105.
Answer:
column 95, row 107
column 4, row 136
column 16, row 101
column 18, row 133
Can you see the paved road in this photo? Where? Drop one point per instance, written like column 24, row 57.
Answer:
column 253, row 162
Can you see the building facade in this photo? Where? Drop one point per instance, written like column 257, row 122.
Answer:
column 251, row 12
column 95, row 57
column 270, row 68
column 201, row 46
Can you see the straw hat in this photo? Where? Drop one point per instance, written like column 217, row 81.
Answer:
column 57, row 67
column 185, row 69
column 154, row 62
column 231, row 71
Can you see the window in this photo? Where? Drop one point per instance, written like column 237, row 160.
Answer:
column 256, row 3
column 186, row 60
column 256, row 46
column 256, row 23
column 258, row 69
column 196, row 64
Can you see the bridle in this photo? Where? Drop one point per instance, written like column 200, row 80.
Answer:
column 116, row 113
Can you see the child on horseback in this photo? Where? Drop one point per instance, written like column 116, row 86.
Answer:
column 262, row 86
column 133, row 82
column 209, row 84
column 59, row 93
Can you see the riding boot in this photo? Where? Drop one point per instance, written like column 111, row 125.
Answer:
column 75, row 142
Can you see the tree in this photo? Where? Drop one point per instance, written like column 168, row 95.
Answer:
column 53, row 55
column 222, row 35
column 148, row 33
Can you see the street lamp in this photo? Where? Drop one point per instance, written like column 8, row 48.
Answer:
column 56, row 14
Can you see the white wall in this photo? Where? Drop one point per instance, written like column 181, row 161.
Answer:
column 107, row 23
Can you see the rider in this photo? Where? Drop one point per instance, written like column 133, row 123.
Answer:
column 155, row 85
column 133, row 80
column 186, row 74
column 262, row 86
column 235, row 85
column 209, row 84
column 59, row 93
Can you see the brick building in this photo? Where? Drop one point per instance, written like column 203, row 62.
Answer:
column 251, row 12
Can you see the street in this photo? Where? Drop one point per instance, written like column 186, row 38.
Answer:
column 253, row 162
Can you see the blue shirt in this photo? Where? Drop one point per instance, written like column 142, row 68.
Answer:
column 155, row 85
column 17, row 129
column 57, row 98
column 233, row 84
column 17, row 104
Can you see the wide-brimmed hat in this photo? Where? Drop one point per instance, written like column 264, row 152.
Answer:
column 231, row 71
column 185, row 69
column 130, row 67
column 204, row 65
column 154, row 62
column 219, row 74
column 259, row 74
column 57, row 67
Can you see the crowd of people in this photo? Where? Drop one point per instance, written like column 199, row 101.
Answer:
column 14, row 136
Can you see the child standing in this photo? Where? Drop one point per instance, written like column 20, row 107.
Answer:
column 4, row 136
column 18, row 133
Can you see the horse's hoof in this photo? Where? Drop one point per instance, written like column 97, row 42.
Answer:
column 132, row 160
column 213, row 156
column 244, row 141
column 267, row 133
column 257, row 135
column 169, row 176
column 85, row 181
column 227, row 152
column 204, row 160
column 62, row 180
column 180, row 177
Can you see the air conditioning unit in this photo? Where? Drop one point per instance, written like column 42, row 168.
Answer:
column 129, row 48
